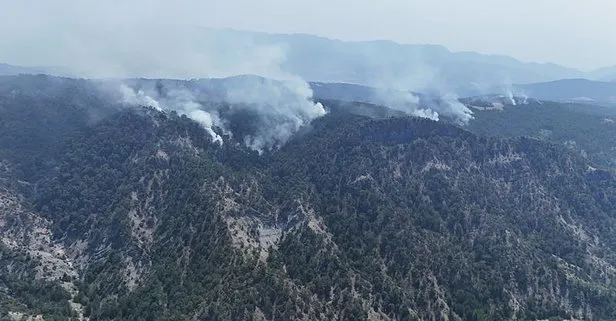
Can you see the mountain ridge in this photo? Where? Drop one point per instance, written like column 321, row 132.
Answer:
column 354, row 218
column 605, row 74
column 374, row 63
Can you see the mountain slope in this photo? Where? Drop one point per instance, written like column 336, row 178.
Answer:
column 354, row 219
column 584, row 127
column 35, row 278
column 587, row 130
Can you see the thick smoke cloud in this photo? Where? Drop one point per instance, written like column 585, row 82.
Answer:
column 398, row 76
column 179, row 100
column 454, row 109
column 396, row 87
column 279, row 106
column 280, row 102
column 261, row 112
column 404, row 101
column 282, row 108
column 138, row 98
column 433, row 106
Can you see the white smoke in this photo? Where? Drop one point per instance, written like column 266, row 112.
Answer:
column 278, row 109
column 152, row 50
column 510, row 96
column 524, row 98
column 395, row 89
column 205, row 119
column 455, row 109
column 130, row 97
column 282, row 104
column 183, row 102
column 149, row 49
column 515, row 96
column 513, row 93
column 404, row 101
column 442, row 104
column 180, row 101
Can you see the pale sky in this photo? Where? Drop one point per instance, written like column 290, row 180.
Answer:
column 574, row 33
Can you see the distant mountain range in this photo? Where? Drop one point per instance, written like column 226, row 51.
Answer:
column 10, row 70
column 391, row 65
column 605, row 74
column 386, row 63
column 575, row 90
column 567, row 90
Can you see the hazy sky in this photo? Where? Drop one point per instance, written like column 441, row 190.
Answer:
column 575, row 33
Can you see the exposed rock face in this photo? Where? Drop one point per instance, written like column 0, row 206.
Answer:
column 27, row 233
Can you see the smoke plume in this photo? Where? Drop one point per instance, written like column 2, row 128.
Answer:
column 454, row 109
column 281, row 107
column 513, row 94
column 276, row 107
column 404, row 101
column 279, row 103
column 260, row 112
column 396, row 88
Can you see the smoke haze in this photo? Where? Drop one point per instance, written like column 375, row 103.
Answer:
column 280, row 103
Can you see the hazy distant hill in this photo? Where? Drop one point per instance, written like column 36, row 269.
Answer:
column 8, row 70
column 586, row 129
column 566, row 90
column 376, row 63
column 581, row 90
column 386, row 63
column 605, row 74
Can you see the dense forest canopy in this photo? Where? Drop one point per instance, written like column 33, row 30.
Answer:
column 135, row 214
column 586, row 129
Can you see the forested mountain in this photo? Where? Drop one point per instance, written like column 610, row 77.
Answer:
column 588, row 127
column 588, row 130
column 113, row 213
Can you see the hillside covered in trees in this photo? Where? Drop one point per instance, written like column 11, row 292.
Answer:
column 110, row 213
column 588, row 130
